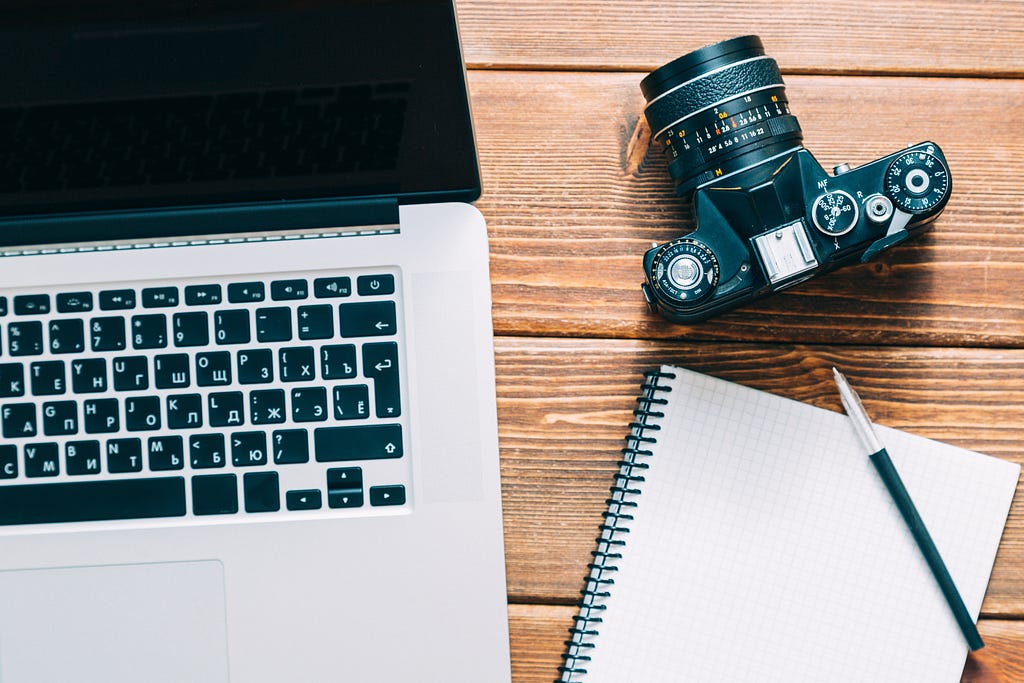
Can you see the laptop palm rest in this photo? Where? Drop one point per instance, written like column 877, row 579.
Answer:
column 116, row 623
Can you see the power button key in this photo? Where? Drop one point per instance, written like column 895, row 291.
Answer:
column 372, row 285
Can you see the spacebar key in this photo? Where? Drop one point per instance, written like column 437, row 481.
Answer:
column 92, row 501
column 367, row 442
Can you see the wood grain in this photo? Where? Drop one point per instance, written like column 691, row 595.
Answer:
column 844, row 36
column 564, row 406
column 537, row 634
column 573, row 198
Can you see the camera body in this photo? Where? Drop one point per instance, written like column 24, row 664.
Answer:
column 785, row 220
column 768, row 215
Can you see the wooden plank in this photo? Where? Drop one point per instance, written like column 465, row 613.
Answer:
column 564, row 405
column 574, row 197
column 538, row 633
column 845, row 36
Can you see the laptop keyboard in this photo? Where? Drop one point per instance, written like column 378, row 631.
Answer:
column 268, row 394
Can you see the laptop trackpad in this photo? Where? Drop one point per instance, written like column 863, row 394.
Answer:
column 117, row 623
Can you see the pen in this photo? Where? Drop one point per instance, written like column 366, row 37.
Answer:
column 882, row 462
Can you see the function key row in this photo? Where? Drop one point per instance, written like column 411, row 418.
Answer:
column 202, row 295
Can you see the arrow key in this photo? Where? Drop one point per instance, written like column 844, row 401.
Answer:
column 304, row 499
column 387, row 495
column 345, row 498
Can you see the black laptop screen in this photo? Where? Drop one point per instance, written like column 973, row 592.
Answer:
column 119, row 105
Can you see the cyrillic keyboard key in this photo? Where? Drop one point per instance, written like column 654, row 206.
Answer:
column 124, row 456
column 387, row 495
column 184, row 411
column 101, row 416
column 82, row 457
column 117, row 300
column 363, row 442
column 131, row 373
column 226, row 409
column 47, row 378
column 159, row 297
column 289, row 290
column 67, row 336
column 244, row 292
column 171, row 371
column 202, row 295
column 367, row 319
column 206, row 451
column 351, row 402
column 31, row 304
column 331, row 287
column 266, row 407
column 25, row 338
column 214, row 494
column 309, row 404
column 380, row 363
column 19, row 420
column 370, row 285
column 297, row 364
column 142, row 413
column 88, row 375
column 166, row 453
column 255, row 366
column 248, row 449
column 60, row 418
column 338, row 361
column 8, row 461
column 74, row 302
column 12, row 380
column 42, row 460
column 290, row 446
column 304, row 499
column 92, row 501
column 262, row 492
column 213, row 368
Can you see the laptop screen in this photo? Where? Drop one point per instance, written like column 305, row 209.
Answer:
column 114, row 104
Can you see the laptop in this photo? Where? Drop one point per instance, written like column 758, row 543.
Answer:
column 247, row 402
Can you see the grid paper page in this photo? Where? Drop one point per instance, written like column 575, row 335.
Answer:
column 766, row 548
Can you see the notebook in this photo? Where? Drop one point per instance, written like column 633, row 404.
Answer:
column 246, row 350
column 749, row 538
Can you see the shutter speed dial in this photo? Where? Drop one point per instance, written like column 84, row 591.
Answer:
column 686, row 270
column 916, row 182
column 835, row 213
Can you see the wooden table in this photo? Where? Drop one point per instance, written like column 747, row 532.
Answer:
column 931, row 332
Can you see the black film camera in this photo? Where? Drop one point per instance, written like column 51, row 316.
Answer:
column 768, row 215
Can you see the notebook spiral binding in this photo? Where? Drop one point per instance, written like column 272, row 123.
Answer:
column 627, row 487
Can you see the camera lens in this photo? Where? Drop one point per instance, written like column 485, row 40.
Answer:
column 718, row 110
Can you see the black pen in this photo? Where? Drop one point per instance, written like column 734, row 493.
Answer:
column 880, row 458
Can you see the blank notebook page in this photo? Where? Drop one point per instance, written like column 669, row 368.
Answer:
column 765, row 548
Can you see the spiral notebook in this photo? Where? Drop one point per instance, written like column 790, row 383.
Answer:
column 749, row 538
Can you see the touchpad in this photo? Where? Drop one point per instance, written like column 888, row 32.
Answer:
column 115, row 623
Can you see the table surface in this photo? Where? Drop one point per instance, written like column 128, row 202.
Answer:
column 931, row 332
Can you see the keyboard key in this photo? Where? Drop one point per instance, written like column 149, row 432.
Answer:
column 42, row 460
column 245, row 292
column 131, row 373
column 149, row 331
column 47, row 378
column 214, row 494
column 370, row 285
column 191, row 329
column 31, row 304
column 166, row 453
column 101, row 416
column 332, row 287
column 248, row 449
column 316, row 322
column 3, row 306
column 171, row 371
column 338, row 361
column 74, row 302
column 142, row 413
column 289, row 290
column 88, row 375
column 387, row 495
column 60, row 418
column 12, row 380
column 363, row 442
column 82, row 457
column 344, row 498
column 25, row 338
column 367, row 319
column 290, row 446
column 184, row 411
column 231, row 327
column 213, row 368
column 226, row 408
column 255, row 366
column 19, row 420
column 266, row 407
column 202, row 295
column 107, row 334
column 206, row 451
column 159, row 297
column 262, row 492
column 351, row 402
column 273, row 324
column 8, row 461
column 297, row 364
column 67, row 336
column 345, row 478
column 309, row 404
column 124, row 456
column 380, row 363
column 89, row 501
column 117, row 300
column 304, row 499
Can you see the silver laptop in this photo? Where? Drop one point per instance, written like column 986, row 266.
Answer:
column 247, row 410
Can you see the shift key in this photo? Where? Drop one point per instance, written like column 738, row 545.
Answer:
column 364, row 442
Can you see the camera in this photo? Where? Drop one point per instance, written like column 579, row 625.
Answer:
column 768, row 215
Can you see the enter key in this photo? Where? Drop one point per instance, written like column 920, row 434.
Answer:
column 380, row 363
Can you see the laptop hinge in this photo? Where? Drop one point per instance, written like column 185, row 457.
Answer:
column 201, row 220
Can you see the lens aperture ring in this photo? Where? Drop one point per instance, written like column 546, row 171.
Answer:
column 720, row 85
